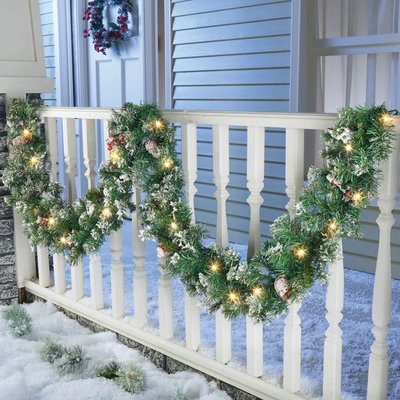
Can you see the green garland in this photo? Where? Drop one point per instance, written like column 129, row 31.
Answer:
column 142, row 153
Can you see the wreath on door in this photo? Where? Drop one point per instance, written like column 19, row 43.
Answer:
column 116, row 32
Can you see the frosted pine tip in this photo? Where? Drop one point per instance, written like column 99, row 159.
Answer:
column 34, row 161
column 348, row 147
column 357, row 198
column 300, row 252
column 27, row 134
column 387, row 120
column 257, row 291
column 174, row 226
column 51, row 221
column 214, row 267
column 106, row 213
column 158, row 124
column 168, row 163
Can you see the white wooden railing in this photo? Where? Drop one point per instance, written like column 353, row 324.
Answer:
column 64, row 147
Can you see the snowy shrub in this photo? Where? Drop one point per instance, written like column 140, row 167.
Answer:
column 51, row 351
column 74, row 359
column 108, row 371
column 19, row 321
column 130, row 377
column 180, row 395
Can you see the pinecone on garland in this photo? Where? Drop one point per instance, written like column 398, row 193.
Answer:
column 281, row 286
column 42, row 220
column 152, row 147
column 20, row 141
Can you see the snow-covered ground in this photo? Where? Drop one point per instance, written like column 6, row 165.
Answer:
column 23, row 376
column 356, row 326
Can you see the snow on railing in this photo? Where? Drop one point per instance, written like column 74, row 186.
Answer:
column 67, row 151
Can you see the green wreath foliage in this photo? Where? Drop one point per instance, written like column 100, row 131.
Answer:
column 142, row 153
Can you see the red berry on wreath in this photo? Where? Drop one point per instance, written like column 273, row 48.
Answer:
column 122, row 140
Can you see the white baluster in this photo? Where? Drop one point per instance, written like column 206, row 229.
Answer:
column 221, row 179
column 189, row 163
column 77, row 281
column 292, row 333
column 165, row 302
column 139, row 274
column 117, row 275
column 96, row 281
column 255, row 184
column 43, row 266
column 89, row 156
column 223, row 329
column 52, row 146
column 189, row 166
column 223, row 334
column 254, row 347
column 333, row 334
column 381, row 306
column 89, row 150
column 70, row 155
column 59, row 273
column 106, row 135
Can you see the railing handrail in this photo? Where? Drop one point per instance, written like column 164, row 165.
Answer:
column 265, row 119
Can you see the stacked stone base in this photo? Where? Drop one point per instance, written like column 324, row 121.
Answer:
column 8, row 279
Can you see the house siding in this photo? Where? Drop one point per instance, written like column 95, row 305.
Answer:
column 47, row 22
column 234, row 55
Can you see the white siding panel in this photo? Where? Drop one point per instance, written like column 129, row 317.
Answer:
column 234, row 55
column 262, row 61
column 225, row 17
column 203, row 6
column 275, row 76
column 240, row 46
column 47, row 22
column 242, row 31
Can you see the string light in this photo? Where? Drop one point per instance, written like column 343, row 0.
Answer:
column 158, row 124
column 115, row 157
column 233, row 296
column 257, row 291
column 51, row 221
column 386, row 120
column 64, row 240
column 106, row 213
column 332, row 227
column 174, row 226
column 300, row 252
column 357, row 198
column 34, row 161
column 168, row 163
column 214, row 267
column 348, row 147
column 27, row 134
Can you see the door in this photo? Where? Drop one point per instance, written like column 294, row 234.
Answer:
column 115, row 79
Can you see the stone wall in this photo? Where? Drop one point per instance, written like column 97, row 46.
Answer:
column 8, row 279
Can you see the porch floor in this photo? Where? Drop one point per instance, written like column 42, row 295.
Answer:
column 356, row 326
